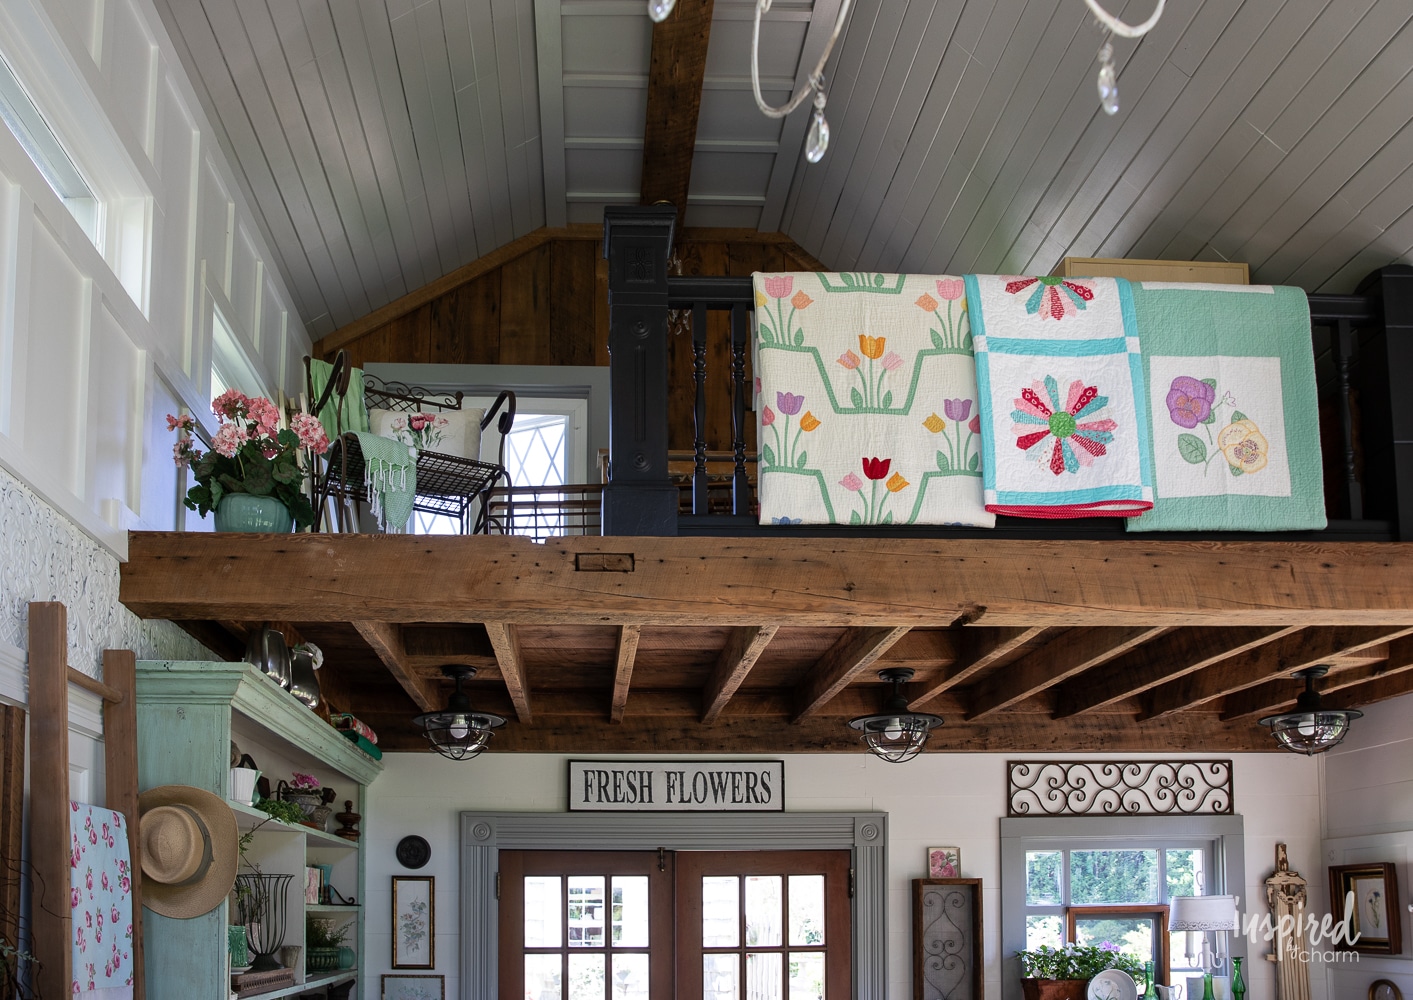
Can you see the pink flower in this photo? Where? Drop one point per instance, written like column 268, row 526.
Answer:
column 779, row 288
column 229, row 439
column 850, row 360
column 952, row 289
column 75, row 898
column 892, row 361
column 230, row 404
column 767, row 417
column 304, row 782
column 265, row 415
column 975, row 425
column 852, row 483
column 310, row 433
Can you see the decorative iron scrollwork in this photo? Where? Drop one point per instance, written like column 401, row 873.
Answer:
column 1119, row 788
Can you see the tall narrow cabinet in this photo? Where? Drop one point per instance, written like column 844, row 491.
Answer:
column 188, row 715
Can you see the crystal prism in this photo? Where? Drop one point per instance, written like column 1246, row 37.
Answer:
column 1108, row 89
column 659, row 9
column 818, row 139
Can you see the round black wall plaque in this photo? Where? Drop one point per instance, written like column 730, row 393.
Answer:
column 413, row 852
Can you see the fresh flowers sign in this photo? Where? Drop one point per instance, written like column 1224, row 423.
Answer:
column 250, row 453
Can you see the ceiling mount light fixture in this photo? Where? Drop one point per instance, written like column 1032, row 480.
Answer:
column 896, row 734
column 1309, row 728
column 457, row 731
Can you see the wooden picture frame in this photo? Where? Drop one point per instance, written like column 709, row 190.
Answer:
column 944, row 862
column 949, row 959
column 413, row 988
column 1375, row 913
column 414, row 922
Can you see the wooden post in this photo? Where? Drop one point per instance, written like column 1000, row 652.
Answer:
column 639, row 498
column 12, row 797
column 1385, row 362
column 50, row 924
column 120, row 770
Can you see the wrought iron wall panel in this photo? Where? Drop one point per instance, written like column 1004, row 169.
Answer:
column 1119, row 788
column 948, row 958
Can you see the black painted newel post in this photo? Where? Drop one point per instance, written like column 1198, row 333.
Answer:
column 640, row 498
column 1386, row 362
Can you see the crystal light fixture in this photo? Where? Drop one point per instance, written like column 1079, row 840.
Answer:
column 457, row 731
column 1310, row 729
column 896, row 734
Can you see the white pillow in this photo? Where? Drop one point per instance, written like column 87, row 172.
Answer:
column 455, row 432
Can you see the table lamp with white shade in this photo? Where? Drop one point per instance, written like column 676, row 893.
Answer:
column 1201, row 914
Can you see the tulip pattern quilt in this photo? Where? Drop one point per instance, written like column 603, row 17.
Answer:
column 866, row 401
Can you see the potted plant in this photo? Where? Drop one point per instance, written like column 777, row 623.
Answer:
column 252, row 476
column 1064, row 973
column 305, row 791
column 322, row 940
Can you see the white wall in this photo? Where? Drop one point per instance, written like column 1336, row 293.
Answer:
column 1368, row 810
column 934, row 800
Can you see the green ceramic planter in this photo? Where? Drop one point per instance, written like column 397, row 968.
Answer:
column 321, row 959
column 246, row 512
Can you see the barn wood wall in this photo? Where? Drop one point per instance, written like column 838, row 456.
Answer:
column 543, row 300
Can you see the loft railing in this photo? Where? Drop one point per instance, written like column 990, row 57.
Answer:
column 1364, row 367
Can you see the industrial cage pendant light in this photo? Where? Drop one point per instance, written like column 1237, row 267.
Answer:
column 1311, row 729
column 817, row 141
column 896, row 734
column 457, row 731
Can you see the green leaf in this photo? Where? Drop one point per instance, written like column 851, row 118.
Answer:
column 887, row 518
column 1237, row 415
column 856, row 398
column 766, row 333
column 887, row 399
column 848, row 279
column 878, row 281
column 937, row 341
column 1211, row 381
column 1191, row 448
column 975, row 463
column 854, row 517
column 769, row 455
column 1235, row 470
column 799, row 338
column 1211, row 417
column 942, row 462
column 285, row 471
column 800, row 462
column 258, row 480
column 213, row 496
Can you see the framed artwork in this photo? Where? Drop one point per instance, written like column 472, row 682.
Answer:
column 414, row 923
column 949, row 960
column 944, row 862
column 1371, row 893
column 414, row 987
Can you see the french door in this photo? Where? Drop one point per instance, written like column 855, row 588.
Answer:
column 728, row 925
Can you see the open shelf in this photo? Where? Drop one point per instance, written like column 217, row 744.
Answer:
column 332, row 908
column 248, row 818
column 328, row 979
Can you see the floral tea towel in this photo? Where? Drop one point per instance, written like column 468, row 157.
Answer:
column 1060, row 379
column 1231, row 385
column 100, row 901
column 866, row 401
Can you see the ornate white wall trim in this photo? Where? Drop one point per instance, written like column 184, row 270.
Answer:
column 46, row 557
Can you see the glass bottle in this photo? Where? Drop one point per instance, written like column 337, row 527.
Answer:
column 1207, row 993
column 1150, row 993
column 1238, row 985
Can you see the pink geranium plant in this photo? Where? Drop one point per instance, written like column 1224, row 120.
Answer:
column 250, row 453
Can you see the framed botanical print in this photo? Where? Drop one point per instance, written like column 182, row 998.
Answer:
column 944, row 862
column 414, row 923
column 1369, row 893
column 414, row 987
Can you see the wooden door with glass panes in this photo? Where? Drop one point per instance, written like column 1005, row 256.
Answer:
column 763, row 925
column 585, row 925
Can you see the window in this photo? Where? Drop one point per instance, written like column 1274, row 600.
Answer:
column 230, row 365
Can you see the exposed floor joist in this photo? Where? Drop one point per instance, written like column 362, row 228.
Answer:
column 743, row 648
column 675, row 75
column 385, row 639
column 623, row 670
column 1274, row 696
column 979, row 649
column 855, row 652
column 506, row 643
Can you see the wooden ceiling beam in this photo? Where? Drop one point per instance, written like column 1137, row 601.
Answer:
column 1182, row 652
column 675, row 74
column 854, row 652
column 743, row 648
column 1069, row 654
column 978, row 648
column 624, row 657
column 385, row 639
column 1276, row 696
column 505, row 640
column 1282, row 657
column 1392, row 685
column 848, row 582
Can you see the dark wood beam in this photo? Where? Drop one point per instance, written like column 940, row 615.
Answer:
column 856, row 651
column 743, row 648
column 1390, row 686
column 505, row 640
column 1274, row 696
column 385, row 639
column 979, row 648
column 623, row 669
column 1065, row 656
column 675, row 76
column 1182, row 652
column 1284, row 656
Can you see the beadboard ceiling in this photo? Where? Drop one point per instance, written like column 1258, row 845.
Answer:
column 387, row 142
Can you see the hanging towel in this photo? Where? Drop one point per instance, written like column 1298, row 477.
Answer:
column 390, row 473
column 100, row 902
column 1231, row 389
column 354, row 412
column 866, row 401
column 1060, row 377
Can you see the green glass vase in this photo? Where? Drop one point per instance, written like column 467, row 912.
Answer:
column 1207, row 993
column 1151, row 993
column 1238, row 985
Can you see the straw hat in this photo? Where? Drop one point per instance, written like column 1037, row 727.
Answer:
column 189, row 848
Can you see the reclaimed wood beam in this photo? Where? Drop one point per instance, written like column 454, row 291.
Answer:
column 1067, row 655
column 830, row 582
column 505, row 640
column 675, row 74
column 743, row 648
column 12, row 814
column 1182, row 652
column 385, row 639
column 978, row 648
column 50, row 919
column 1276, row 696
column 1282, row 657
column 623, row 670
column 854, row 652
column 1359, row 695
